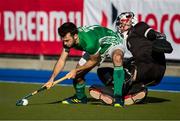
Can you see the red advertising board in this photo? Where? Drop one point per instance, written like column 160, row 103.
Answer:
column 30, row 26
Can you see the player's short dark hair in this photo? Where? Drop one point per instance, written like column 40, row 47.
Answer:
column 67, row 27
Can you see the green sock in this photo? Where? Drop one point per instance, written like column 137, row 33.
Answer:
column 118, row 77
column 80, row 90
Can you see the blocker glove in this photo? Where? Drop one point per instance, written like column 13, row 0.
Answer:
column 160, row 44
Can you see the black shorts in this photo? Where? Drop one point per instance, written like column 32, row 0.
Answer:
column 105, row 74
column 150, row 74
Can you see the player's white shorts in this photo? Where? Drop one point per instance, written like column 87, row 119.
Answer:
column 107, row 53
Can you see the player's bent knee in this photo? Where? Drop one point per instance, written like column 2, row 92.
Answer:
column 78, row 80
column 117, row 57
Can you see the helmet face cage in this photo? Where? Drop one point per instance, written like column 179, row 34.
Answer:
column 124, row 17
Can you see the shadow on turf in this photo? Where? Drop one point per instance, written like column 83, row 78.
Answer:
column 98, row 102
column 55, row 102
column 90, row 101
column 148, row 100
column 156, row 100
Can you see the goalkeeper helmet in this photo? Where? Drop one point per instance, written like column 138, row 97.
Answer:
column 124, row 21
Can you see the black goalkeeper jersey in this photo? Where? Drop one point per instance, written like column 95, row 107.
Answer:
column 141, row 47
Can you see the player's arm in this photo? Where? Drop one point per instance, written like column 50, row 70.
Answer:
column 92, row 62
column 57, row 68
column 160, row 44
column 93, row 49
column 145, row 30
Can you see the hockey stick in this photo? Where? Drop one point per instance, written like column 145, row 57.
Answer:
column 19, row 102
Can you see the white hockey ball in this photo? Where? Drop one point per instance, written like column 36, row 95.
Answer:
column 24, row 102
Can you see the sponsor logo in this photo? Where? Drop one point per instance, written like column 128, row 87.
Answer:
column 36, row 25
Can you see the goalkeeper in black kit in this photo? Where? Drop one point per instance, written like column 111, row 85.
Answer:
column 145, row 68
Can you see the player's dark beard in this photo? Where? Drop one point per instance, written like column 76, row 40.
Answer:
column 74, row 43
